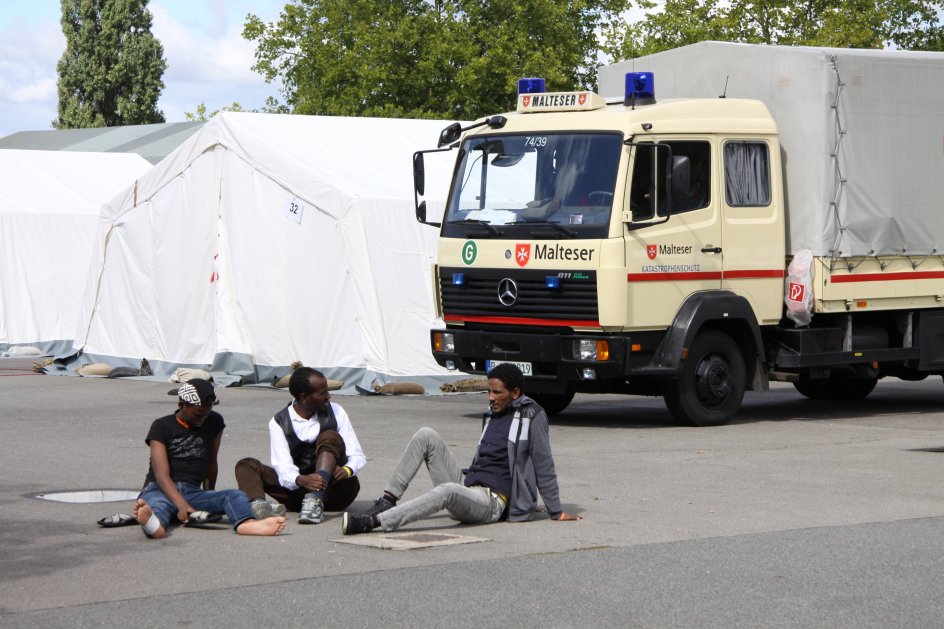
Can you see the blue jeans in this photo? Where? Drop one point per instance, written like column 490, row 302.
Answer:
column 232, row 502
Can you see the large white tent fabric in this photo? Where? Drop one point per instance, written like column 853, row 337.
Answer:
column 49, row 204
column 266, row 239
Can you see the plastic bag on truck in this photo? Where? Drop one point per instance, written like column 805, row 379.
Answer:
column 798, row 288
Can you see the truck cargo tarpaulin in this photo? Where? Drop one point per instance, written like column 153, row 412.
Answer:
column 862, row 136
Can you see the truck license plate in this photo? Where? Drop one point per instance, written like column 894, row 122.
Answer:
column 524, row 367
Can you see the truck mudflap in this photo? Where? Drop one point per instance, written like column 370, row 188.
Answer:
column 547, row 356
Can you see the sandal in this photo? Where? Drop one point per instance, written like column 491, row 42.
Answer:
column 200, row 519
column 117, row 519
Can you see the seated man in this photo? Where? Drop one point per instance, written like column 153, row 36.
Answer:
column 184, row 447
column 314, row 452
column 512, row 461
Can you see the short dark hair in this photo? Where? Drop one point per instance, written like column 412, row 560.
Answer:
column 299, row 384
column 509, row 375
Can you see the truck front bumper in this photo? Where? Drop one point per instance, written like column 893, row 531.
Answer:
column 555, row 367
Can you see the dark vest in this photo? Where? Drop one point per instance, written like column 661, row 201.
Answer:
column 304, row 453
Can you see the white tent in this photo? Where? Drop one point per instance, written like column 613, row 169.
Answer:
column 266, row 239
column 49, row 203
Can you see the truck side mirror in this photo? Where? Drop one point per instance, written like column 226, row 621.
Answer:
column 419, row 174
column 421, row 212
column 450, row 134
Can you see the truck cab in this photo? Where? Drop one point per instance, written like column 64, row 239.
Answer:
column 633, row 246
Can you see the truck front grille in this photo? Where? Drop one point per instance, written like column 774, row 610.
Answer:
column 574, row 300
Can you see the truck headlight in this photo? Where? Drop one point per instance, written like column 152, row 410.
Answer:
column 444, row 342
column 591, row 349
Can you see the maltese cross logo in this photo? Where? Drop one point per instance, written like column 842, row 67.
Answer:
column 522, row 254
column 651, row 251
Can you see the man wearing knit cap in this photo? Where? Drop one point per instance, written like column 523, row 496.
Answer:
column 181, row 480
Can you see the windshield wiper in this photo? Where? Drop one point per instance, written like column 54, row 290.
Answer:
column 553, row 224
column 477, row 223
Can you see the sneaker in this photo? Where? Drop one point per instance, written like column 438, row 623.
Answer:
column 352, row 524
column 380, row 505
column 262, row 509
column 312, row 511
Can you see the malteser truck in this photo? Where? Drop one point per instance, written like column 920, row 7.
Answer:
column 735, row 215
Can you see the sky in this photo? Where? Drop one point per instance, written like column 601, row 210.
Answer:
column 207, row 58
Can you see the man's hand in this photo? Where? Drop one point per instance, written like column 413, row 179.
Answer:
column 565, row 517
column 183, row 513
column 341, row 473
column 311, row 482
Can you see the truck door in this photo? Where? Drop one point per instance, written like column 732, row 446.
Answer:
column 671, row 257
column 753, row 232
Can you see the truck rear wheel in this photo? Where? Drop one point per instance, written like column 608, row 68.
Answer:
column 552, row 403
column 711, row 386
column 840, row 389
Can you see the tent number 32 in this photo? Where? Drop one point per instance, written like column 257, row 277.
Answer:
column 293, row 210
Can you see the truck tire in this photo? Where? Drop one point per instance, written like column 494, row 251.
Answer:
column 552, row 403
column 711, row 385
column 839, row 389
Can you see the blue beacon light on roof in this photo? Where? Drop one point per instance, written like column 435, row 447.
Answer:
column 532, row 85
column 640, row 88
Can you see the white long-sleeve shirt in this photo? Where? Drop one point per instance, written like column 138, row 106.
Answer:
column 308, row 430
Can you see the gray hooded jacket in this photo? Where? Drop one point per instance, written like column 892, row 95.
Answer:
column 530, row 461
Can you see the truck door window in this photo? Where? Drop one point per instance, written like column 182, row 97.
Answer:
column 746, row 174
column 691, row 184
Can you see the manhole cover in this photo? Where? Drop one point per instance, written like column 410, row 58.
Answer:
column 409, row 541
column 88, row 496
column 425, row 538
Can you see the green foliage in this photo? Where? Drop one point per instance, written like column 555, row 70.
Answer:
column 200, row 115
column 903, row 24
column 415, row 58
column 110, row 73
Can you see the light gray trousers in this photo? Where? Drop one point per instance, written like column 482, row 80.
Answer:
column 470, row 505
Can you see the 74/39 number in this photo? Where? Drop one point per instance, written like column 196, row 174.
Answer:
column 536, row 141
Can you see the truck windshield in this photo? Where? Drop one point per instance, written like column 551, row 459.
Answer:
column 542, row 185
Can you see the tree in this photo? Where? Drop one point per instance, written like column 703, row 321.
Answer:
column 110, row 73
column 201, row 115
column 414, row 58
column 903, row 24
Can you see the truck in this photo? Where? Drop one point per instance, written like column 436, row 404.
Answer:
column 737, row 215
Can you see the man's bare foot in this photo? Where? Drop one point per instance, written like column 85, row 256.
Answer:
column 269, row 526
column 142, row 513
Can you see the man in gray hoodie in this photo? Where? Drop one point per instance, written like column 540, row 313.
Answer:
column 512, row 463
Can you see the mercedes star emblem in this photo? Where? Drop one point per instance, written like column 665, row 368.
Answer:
column 507, row 292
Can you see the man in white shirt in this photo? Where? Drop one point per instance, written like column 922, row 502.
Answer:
column 314, row 452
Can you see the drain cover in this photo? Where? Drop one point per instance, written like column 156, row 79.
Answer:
column 88, row 496
column 409, row 541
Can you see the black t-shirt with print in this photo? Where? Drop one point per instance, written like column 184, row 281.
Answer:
column 188, row 449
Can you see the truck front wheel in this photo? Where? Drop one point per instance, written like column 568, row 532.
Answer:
column 552, row 403
column 711, row 385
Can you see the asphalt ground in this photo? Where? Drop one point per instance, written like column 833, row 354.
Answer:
column 798, row 514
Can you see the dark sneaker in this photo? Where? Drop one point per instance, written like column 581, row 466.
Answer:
column 312, row 511
column 262, row 509
column 380, row 505
column 352, row 524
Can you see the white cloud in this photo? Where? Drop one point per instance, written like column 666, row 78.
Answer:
column 212, row 65
column 208, row 60
column 28, row 57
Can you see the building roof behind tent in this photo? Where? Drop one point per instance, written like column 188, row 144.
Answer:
column 153, row 142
